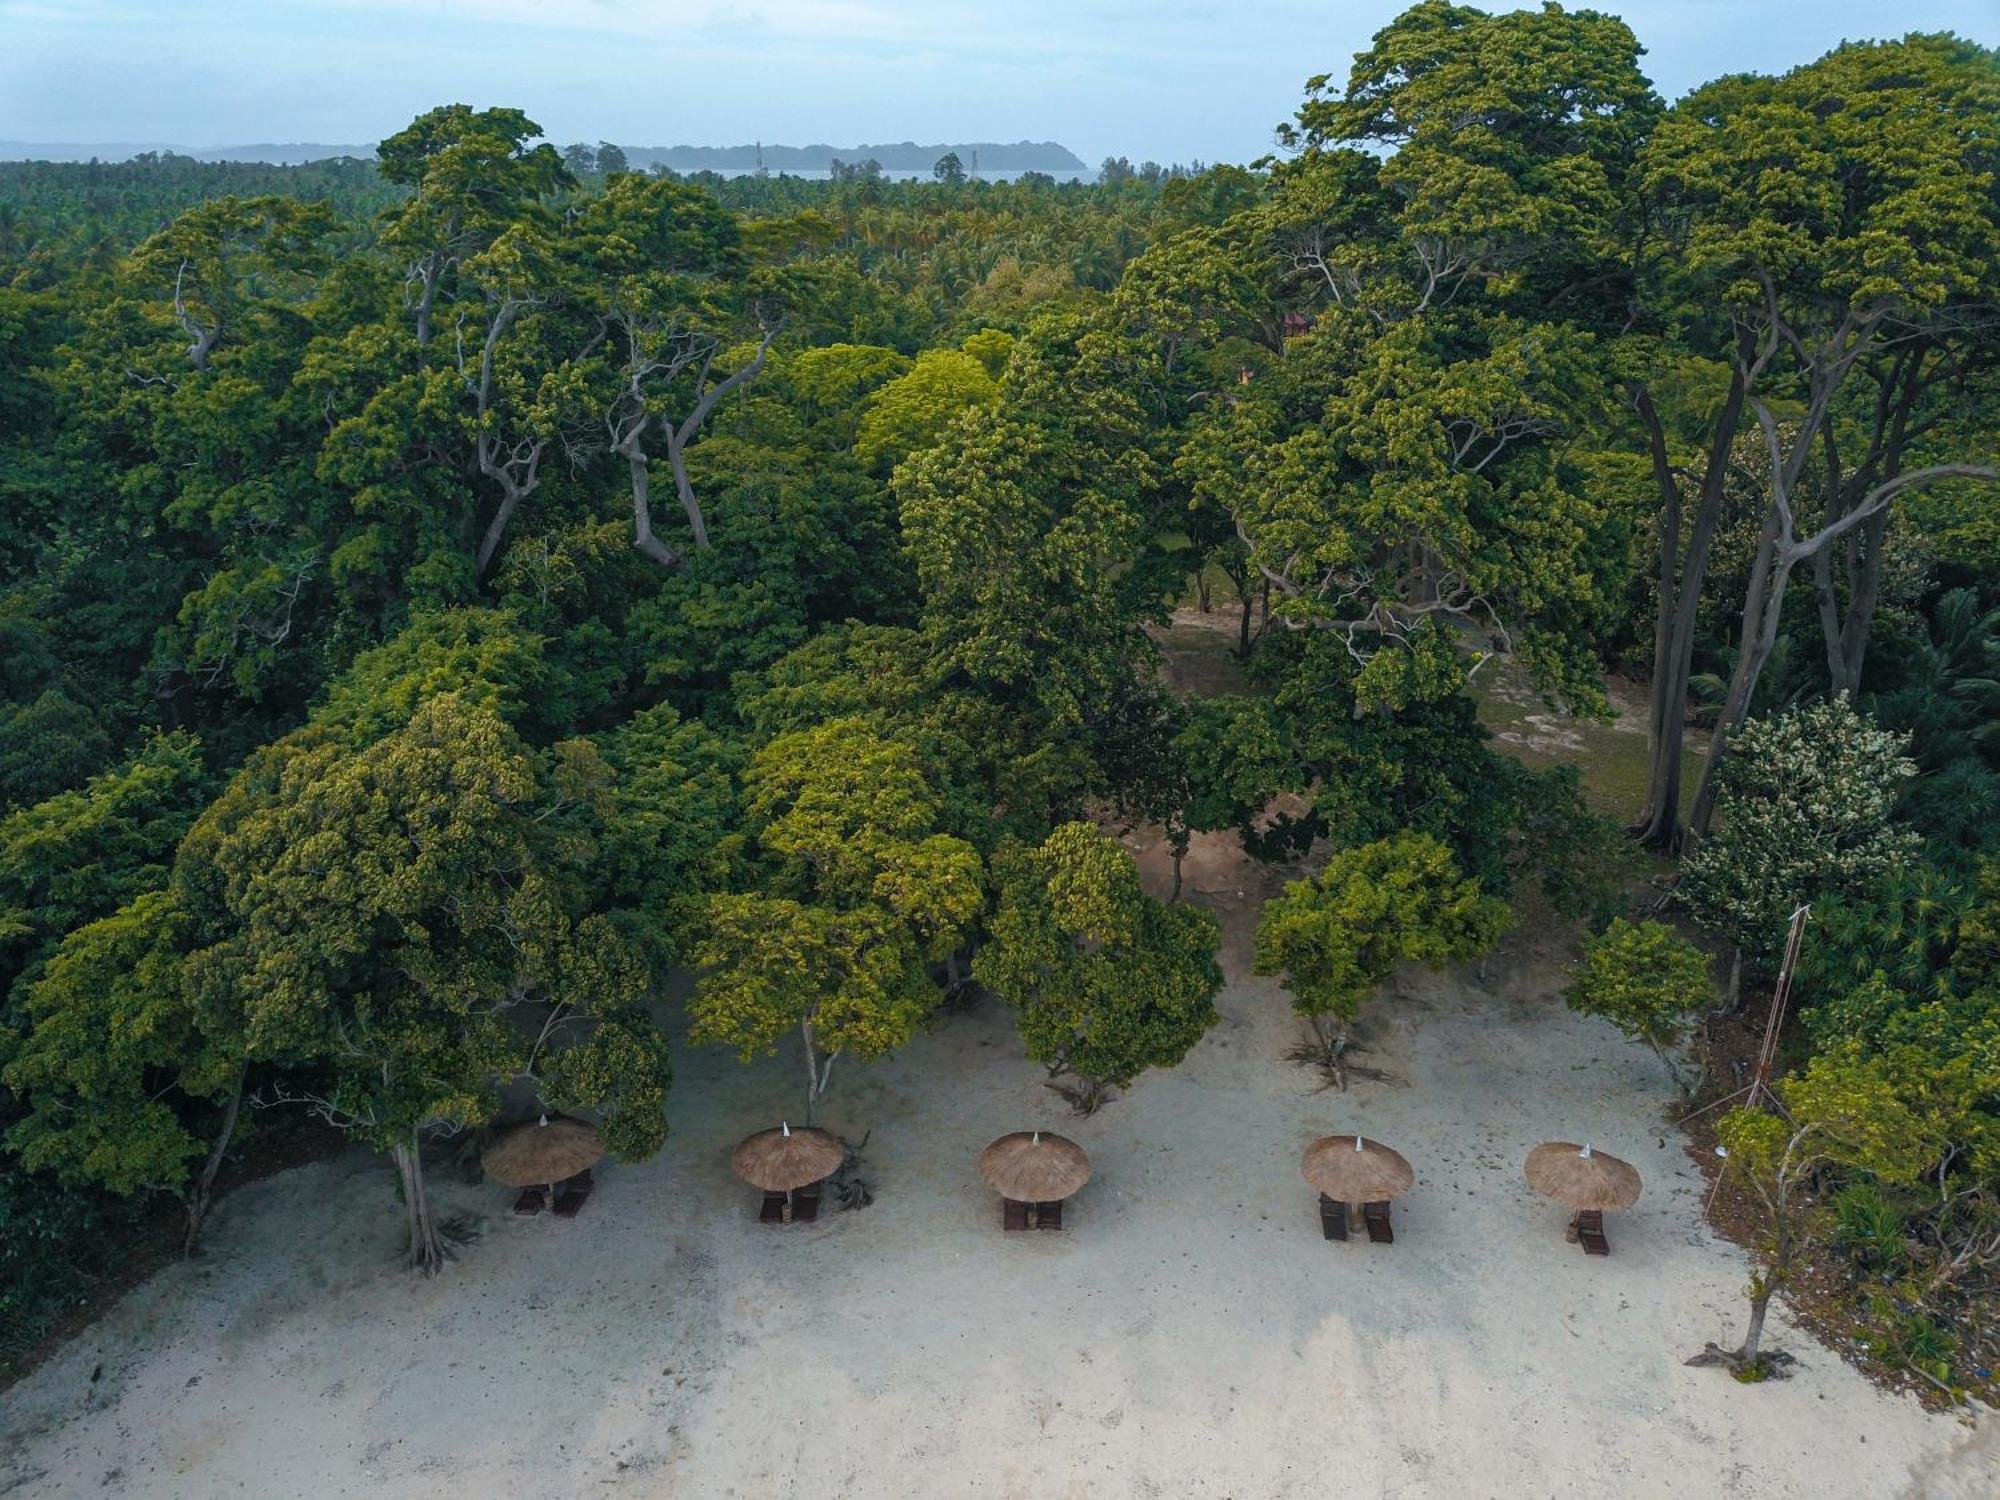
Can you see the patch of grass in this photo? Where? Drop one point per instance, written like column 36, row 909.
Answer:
column 1611, row 755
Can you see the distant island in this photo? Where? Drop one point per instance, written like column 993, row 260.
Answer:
column 286, row 154
column 897, row 158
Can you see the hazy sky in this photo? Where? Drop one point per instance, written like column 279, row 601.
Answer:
column 1169, row 79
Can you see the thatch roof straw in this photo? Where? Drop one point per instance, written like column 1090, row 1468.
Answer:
column 1354, row 1169
column 548, row 1152
column 1582, row 1176
column 783, row 1159
column 1034, row 1166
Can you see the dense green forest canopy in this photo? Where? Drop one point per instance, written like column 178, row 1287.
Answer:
column 442, row 597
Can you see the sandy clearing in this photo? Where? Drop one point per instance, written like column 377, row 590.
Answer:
column 1192, row 1335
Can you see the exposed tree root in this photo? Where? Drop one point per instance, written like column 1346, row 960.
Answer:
column 1770, row 1364
column 846, row 1185
column 1085, row 1096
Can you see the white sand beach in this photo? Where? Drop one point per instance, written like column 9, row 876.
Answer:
column 1189, row 1334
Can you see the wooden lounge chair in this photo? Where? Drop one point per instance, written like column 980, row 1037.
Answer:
column 1376, row 1217
column 1013, row 1214
column 1332, row 1217
column 773, row 1211
column 1049, row 1216
column 572, row 1195
column 530, row 1201
column 805, row 1204
column 1590, row 1232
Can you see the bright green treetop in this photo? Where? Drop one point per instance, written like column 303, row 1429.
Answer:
column 1337, row 935
column 113, row 1041
column 408, row 915
column 1105, row 981
column 913, row 410
column 1645, row 979
column 860, row 896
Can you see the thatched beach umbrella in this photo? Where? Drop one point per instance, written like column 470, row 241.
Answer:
column 783, row 1160
column 1582, row 1177
column 1034, row 1166
column 543, row 1154
column 1354, row 1169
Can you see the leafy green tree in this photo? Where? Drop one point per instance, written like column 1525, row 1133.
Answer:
column 471, row 174
column 1104, row 980
column 1423, row 768
column 1209, row 197
column 1024, row 525
column 833, row 381
column 1439, row 483
column 1908, row 928
column 656, row 259
column 991, row 347
column 1506, row 141
column 911, row 412
column 1238, row 757
column 1648, row 981
column 672, row 831
column 119, row 1067
column 482, row 656
column 82, row 855
column 407, row 919
column 1828, row 234
column 995, row 777
column 1938, row 680
column 1332, row 938
column 861, row 896
column 219, row 259
column 1807, row 798
column 949, row 170
column 48, row 743
column 1845, row 1110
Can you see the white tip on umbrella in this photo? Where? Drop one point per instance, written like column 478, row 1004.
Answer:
column 1585, row 1152
column 786, row 1126
column 1037, row 1140
column 1357, row 1145
column 545, row 1119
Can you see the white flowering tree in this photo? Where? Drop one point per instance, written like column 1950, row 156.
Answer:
column 1806, row 798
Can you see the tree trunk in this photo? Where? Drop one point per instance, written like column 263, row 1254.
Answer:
column 198, row 1200
column 679, row 435
column 1763, row 613
column 427, row 1249
column 204, row 344
column 817, row 1074
column 1753, row 1338
column 812, row 1069
column 643, row 538
column 1847, row 640
column 1679, row 604
column 1331, row 1035
column 433, row 269
column 496, row 530
column 1201, row 587
column 684, row 488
